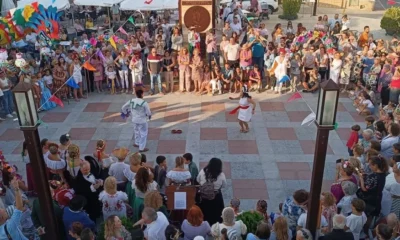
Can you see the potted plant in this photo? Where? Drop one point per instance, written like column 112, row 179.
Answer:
column 391, row 21
column 290, row 9
column 251, row 219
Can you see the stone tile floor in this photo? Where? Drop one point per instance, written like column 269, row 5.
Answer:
column 270, row 162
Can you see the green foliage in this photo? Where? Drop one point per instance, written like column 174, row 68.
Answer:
column 251, row 219
column 290, row 9
column 391, row 20
column 127, row 223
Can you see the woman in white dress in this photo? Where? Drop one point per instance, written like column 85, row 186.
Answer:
column 179, row 175
column 55, row 164
column 336, row 66
column 245, row 110
column 279, row 68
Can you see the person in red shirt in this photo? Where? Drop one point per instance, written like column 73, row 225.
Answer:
column 353, row 139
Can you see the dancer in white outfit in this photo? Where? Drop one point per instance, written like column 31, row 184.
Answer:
column 140, row 111
column 246, row 110
column 279, row 68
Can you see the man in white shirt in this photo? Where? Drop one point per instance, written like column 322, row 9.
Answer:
column 232, row 51
column 301, row 222
column 76, row 47
column 156, row 224
column 232, row 16
column 140, row 111
column 236, row 26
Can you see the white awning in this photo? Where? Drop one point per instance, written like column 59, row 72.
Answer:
column 149, row 5
column 99, row 3
column 60, row 4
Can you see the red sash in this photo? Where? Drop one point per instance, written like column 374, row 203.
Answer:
column 234, row 111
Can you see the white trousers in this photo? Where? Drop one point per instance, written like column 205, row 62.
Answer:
column 136, row 78
column 215, row 85
column 123, row 74
column 278, row 87
column 141, row 130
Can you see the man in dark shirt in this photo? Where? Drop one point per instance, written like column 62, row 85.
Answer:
column 154, row 66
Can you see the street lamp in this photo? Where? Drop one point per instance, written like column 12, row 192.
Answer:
column 28, row 122
column 325, row 120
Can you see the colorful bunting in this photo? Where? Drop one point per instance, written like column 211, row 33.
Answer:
column 284, row 79
column 309, row 119
column 89, row 66
column 123, row 31
column 56, row 100
column 71, row 82
column 131, row 19
column 100, row 55
column 295, row 96
column 112, row 42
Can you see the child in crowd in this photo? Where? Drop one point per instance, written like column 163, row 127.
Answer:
column 357, row 219
column 117, row 168
column 46, row 93
column 48, row 79
column 273, row 216
column 344, row 205
column 396, row 148
column 328, row 205
column 369, row 121
column 235, row 204
column 353, row 139
column 75, row 230
column 160, row 173
column 262, row 208
column 355, row 95
column 370, row 92
column 111, row 76
column 191, row 166
column 366, row 106
column 295, row 64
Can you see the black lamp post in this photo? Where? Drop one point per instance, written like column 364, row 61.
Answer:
column 325, row 121
column 314, row 13
column 28, row 122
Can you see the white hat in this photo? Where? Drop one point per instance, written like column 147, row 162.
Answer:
column 199, row 238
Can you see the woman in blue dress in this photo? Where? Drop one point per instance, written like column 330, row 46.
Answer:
column 46, row 94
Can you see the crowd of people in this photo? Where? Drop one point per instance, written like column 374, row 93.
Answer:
column 111, row 187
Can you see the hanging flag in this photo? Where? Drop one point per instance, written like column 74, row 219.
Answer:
column 101, row 56
column 335, row 126
column 123, row 31
column 148, row 1
column 130, row 19
column 89, row 66
column 391, row 2
column 295, row 96
column 309, row 119
column 53, row 1
column 35, row 5
column 112, row 42
column 284, row 79
column 71, row 82
column 56, row 100
column 93, row 42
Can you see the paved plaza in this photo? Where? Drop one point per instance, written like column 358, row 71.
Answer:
column 269, row 162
